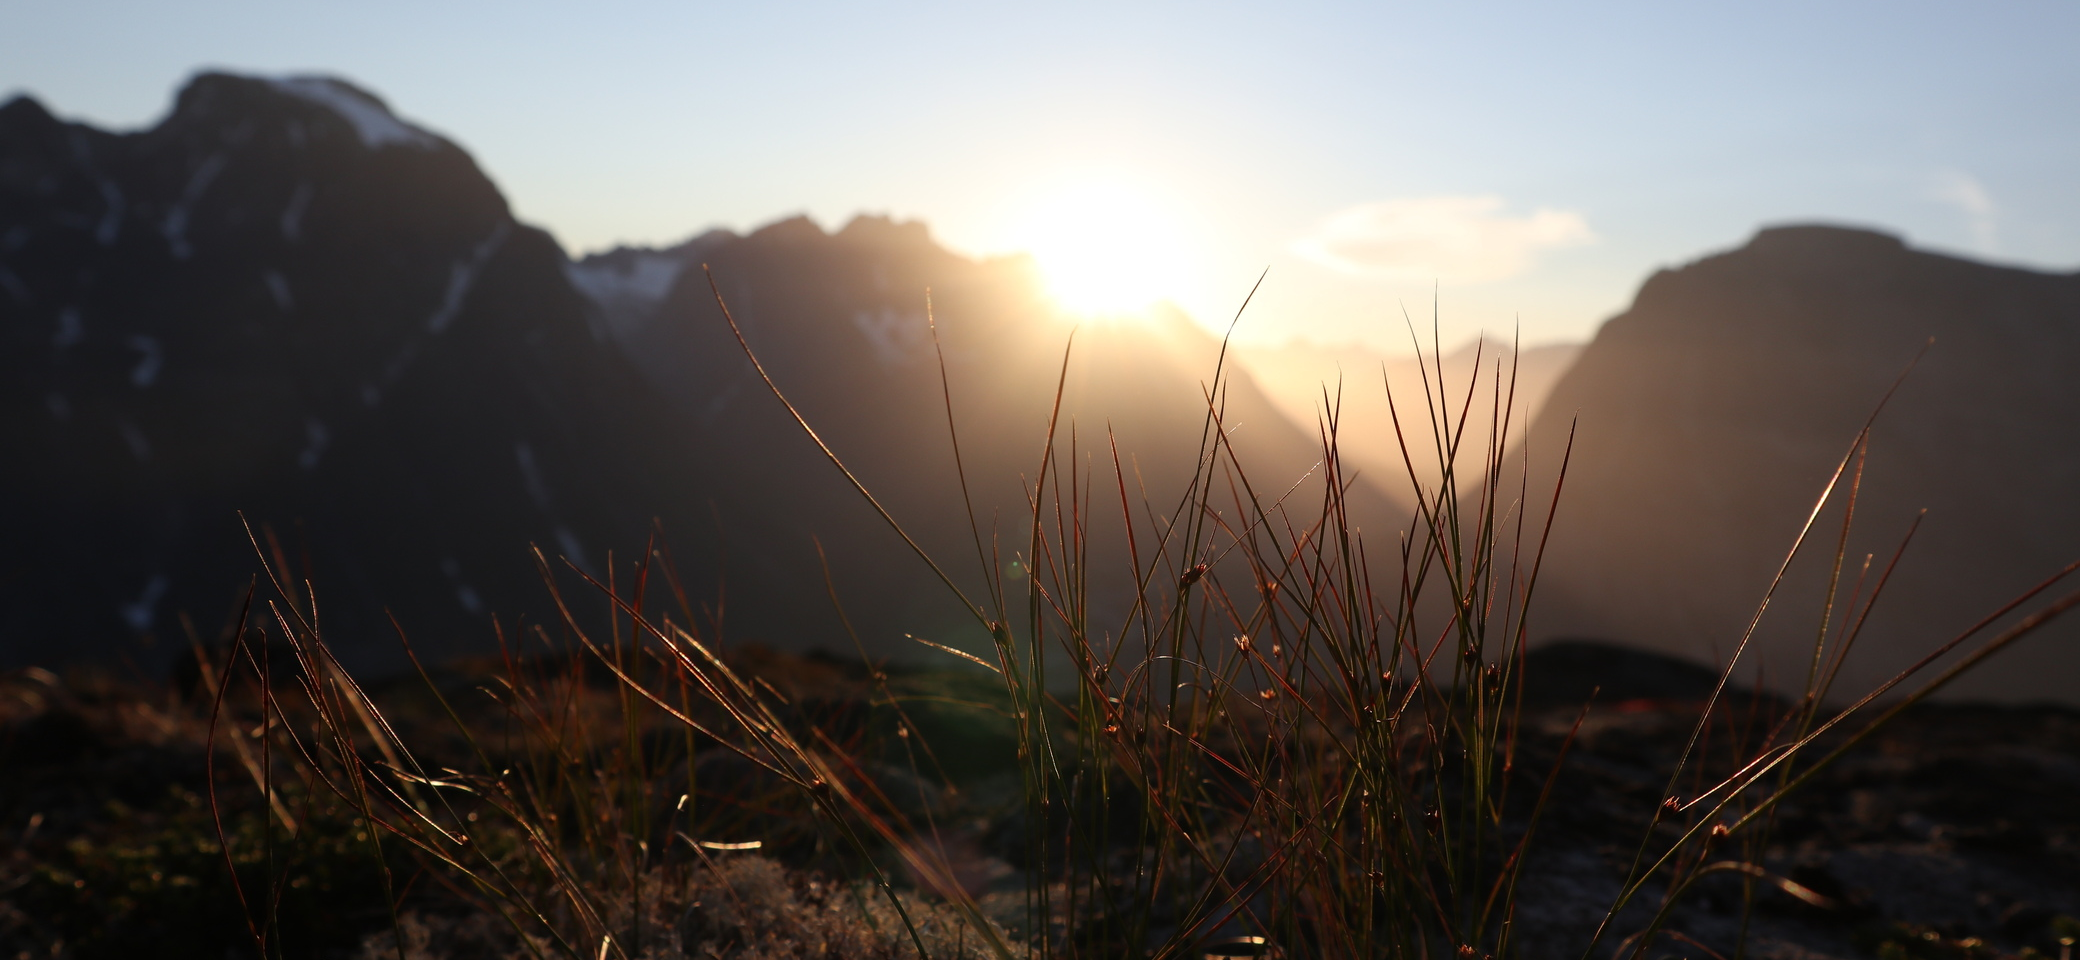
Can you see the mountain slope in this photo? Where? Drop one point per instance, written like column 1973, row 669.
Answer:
column 1713, row 410
column 839, row 320
column 283, row 300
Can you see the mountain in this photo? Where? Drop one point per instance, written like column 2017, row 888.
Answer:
column 840, row 321
column 282, row 299
column 1713, row 410
column 1302, row 377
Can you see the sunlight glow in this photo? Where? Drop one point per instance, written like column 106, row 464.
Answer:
column 1105, row 247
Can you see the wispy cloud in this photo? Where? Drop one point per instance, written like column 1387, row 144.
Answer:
column 1455, row 239
column 1970, row 197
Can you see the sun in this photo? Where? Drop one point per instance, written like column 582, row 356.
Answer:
column 1104, row 246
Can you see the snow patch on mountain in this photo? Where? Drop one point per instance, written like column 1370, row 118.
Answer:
column 464, row 594
column 372, row 121
column 462, row 275
column 139, row 613
column 897, row 336
column 316, row 438
column 292, row 215
column 627, row 285
column 531, row 474
column 573, row 549
column 71, row 329
column 149, row 359
column 278, row 287
column 134, row 438
column 175, row 226
column 111, row 216
column 626, row 289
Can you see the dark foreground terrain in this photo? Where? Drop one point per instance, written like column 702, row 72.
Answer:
column 1955, row 833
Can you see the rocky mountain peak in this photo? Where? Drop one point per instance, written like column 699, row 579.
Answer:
column 23, row 114
column 313, row 108
column 281, row 299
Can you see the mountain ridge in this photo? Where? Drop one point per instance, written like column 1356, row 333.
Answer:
column 255, row 305
column 283, row 299
column 329, row 319
column 1713, row 409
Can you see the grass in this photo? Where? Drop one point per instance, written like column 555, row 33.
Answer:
column 1291, row 742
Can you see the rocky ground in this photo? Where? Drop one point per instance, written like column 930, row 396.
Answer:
column 1954, row 833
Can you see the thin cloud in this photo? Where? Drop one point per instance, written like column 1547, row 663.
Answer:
column 1451, row 238
column 1964, row 192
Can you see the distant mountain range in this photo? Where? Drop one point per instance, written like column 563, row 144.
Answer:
column 283, row 300
column 1306, row 380
column 840, row 321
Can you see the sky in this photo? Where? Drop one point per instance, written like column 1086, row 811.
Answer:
column 1511, row 167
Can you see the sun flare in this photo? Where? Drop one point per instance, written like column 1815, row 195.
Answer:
column 1104, row 247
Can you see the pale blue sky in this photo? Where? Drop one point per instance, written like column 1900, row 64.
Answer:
column 1648, row 133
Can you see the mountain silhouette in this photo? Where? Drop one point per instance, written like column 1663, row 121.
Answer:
column 840, row 320
column 285, row 301
column 1711, row 413
column 282, row 300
